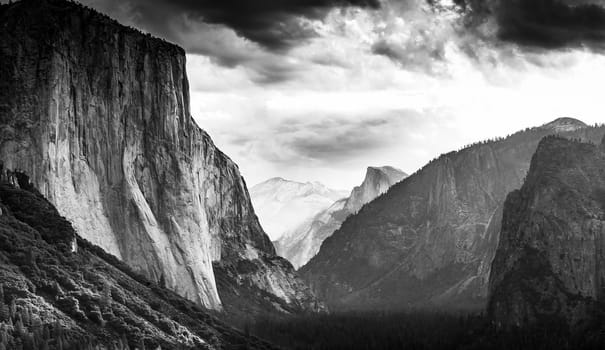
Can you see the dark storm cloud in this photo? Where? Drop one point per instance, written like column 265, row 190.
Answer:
column 271, row 23
column 254, row 34
column 552, row 23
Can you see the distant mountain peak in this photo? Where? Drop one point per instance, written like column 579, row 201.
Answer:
column 275, row 179
column 302, row 187
column 302, row 243
column 283, row 205
column 565, row 124
column 381, row 168
column 377, row 181
column 387, row 170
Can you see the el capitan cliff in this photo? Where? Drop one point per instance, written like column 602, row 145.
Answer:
column 98, row 115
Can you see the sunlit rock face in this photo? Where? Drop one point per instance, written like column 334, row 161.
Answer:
column 377, row 181
column 98, row 115
column 303, row 242
column 429, row 240
column 550, row 263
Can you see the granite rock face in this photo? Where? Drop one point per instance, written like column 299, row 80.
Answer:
column 98, row 115
column 550, row 262
column 429, row 240
column 377, row 181
column 302, row 243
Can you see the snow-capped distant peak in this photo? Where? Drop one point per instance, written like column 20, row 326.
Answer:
column 281, row 205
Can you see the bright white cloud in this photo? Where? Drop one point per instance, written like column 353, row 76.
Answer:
column 384, row 87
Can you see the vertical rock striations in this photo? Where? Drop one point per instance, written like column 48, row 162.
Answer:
column 550, row 263
column 430, row 239
column 98, row 115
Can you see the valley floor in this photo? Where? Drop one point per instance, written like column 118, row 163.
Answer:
column 416, row 330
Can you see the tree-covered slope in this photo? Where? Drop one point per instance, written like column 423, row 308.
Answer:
column 57, row 291
column 429, row 240
column 550, row 262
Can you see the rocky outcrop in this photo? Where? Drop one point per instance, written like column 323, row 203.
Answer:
column 98, row 115
column 376, row 182
column 550, row 263
column 430, row 239
column 283, row 205
column 303, row 242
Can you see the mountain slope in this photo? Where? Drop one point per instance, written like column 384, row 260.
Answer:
column 303, row 242
column 54, row 297
column 98, row 115
column 430, row 239
column 283, row 205
column 550, row 263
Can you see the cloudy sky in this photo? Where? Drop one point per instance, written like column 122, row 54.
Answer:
column 320, row 89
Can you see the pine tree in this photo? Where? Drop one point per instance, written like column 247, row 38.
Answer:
column 124, row 342
column 162, row 281
column 13, row 309
column 31, row 258
column 19, row 329
column 3, row 337
column 141, row 345
column 105, row 295
column 4, row 312
column 26, row 316
column 45, row 333
column 28, row 342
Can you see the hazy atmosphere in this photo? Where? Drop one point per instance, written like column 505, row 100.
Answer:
column 311, row 91
column 302, row 174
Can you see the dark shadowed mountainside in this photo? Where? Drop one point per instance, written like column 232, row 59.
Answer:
column 429, row 241
column 550, row 263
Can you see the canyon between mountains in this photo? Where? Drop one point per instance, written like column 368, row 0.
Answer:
column 122, row 225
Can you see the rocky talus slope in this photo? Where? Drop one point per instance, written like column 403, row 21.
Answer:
column 98, row 115
column 429, row 240
column 550, row 263
column 302, row 243
column 58, row 291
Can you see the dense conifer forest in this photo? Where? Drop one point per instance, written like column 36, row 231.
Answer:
column 418, row 330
